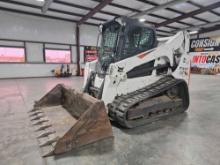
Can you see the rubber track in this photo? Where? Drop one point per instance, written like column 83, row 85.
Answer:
column 119, row 107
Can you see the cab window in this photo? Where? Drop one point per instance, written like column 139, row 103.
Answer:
column 138, row 40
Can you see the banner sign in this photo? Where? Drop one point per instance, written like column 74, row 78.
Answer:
column 90, row 53
column 205, row 55
column 204, row 45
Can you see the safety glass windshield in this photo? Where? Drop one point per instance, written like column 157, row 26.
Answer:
column 110, row 32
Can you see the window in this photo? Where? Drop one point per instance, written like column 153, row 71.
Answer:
column 12, row 54
column 57, row 56
column 138, row 40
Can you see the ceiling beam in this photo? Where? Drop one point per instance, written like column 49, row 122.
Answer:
column 172, row 10
column 34, row 14
column 42, row 16
column 198, row 5
column 162, row 17
column 120, row 6
column 209, row 29
column 83, row 7
column 50, row 9
column 46, row 6
column 94, row 11
column 138, row 11
column 190, row 14
column 163, row 31
column 172, row 27
column 156, row 8
column 60, row 2
column 198, row 27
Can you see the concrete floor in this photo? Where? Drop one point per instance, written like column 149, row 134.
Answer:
column 191, row 138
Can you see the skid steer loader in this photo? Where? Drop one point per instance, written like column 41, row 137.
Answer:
column 136, row 80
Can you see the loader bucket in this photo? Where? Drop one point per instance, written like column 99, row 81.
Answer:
column 65, row 119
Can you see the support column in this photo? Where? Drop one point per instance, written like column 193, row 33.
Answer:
column 78, row 49
column 198, row 33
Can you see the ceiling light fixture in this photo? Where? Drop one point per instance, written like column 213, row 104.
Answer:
column 40, row 0
column 193, row 32
column 142, row 19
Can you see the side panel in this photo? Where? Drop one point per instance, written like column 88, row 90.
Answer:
column 111, row 90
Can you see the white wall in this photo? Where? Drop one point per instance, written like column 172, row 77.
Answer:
column 88, row 35
column 30, row 28
column 34, row 52
column 17, row 26
column 209, row 34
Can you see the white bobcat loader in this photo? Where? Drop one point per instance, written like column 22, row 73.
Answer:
column 136, row 80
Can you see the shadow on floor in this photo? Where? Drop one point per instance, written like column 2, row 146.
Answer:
column 107, row 145
column 97, row 148
column 172, row 121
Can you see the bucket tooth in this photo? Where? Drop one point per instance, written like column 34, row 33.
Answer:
column 49, row 141
column 34, row 109
column 43, row 127
column 37, row 117
column 46, row 133
column 41, row 121
column 35, row 113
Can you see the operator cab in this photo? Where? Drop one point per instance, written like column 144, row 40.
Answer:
column 123, row 38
